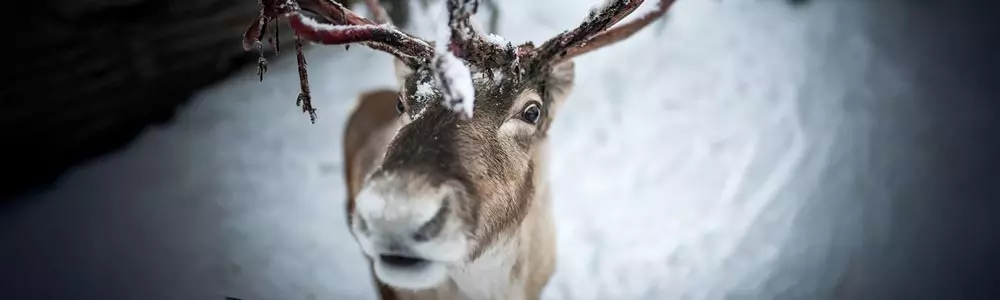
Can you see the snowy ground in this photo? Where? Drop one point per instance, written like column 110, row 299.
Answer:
column 679, row 165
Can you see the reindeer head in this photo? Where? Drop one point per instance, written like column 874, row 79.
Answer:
column 462, row 171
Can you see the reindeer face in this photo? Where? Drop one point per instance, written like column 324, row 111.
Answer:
column 450, row 186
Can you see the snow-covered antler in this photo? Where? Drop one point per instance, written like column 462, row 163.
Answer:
column 594, row 32
column 345, row 28
column 459, row 43
column 465, row 41
column 616, row 34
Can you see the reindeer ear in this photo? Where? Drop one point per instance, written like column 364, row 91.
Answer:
column 560, row 84
column 402, row 71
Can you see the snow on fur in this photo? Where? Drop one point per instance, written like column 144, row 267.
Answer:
column 451, row 76
column 454, row 80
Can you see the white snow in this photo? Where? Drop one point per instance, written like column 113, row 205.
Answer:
column 451, row 76
column 454, row 80
column 598, row 7
column 425, row 89
column 677, row 166
column 310, row 22
column 496, row 39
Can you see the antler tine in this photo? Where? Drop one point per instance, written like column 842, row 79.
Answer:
column 593, row 33
column 347, row 28
column 411, row 50
column 352, row 28
column 465, row 41
column 460, row 29
column 617, row 33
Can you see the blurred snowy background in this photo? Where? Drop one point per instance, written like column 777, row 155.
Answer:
column 737, row 149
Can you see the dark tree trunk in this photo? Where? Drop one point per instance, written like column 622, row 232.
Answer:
column 88, row 75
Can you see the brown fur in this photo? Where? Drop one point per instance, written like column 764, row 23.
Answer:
column 502, row 173
column 365, row 138
column 368, row 132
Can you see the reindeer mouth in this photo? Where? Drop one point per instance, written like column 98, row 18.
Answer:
column 409, row 272
column 398, row 261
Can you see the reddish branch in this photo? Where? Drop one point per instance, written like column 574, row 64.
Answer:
column 341, row 26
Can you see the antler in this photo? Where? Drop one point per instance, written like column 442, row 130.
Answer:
column 458, row 44
column 616, row 34
column 465, row 40
column 593, row 33
column 347, row 28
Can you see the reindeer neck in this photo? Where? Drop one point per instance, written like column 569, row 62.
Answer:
column 492, row 275
column 519, row 263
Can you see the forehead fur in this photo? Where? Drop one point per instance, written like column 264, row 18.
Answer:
column 438, row 142
column 495, row 93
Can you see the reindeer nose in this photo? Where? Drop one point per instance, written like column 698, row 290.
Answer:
column 408, row 228
column 403, row 216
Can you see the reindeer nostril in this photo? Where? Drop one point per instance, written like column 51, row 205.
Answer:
column 401, row 261
column 433, row 227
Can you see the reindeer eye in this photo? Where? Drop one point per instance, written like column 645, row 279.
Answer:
column 400, row 108
column 531, row 113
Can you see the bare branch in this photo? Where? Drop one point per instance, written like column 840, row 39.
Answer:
column 617, row 33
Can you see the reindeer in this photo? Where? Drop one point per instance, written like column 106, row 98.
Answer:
column 447, row 189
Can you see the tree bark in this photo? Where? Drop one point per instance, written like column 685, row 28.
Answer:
column 87, row 76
